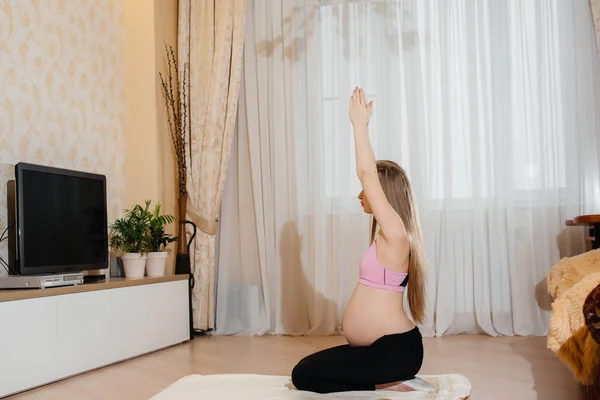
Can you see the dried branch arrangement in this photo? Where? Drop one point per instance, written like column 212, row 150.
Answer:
column 176, row 101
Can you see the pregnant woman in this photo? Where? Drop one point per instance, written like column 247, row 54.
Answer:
column 384, row 346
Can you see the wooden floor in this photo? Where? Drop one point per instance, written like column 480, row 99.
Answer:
column 499, row 368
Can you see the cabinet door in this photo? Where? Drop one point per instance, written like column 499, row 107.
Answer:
column 28, row 337
column 150, row 317
column 84, row 331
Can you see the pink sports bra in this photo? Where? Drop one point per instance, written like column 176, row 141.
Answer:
column 375, row 275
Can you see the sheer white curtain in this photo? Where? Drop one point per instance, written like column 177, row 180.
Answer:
column 491, row 108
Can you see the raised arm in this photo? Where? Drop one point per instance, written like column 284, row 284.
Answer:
column 388, row 219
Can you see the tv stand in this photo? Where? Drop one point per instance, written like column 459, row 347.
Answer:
column 49, row 335
column 40, row 281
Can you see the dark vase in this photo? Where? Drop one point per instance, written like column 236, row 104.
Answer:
column 182, row 259
column 182, row 247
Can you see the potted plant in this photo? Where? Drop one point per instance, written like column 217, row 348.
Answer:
column 158, row 240
column 130, row 235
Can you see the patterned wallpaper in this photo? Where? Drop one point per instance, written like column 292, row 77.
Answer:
column 61, row 90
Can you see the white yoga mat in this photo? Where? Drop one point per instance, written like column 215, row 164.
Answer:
column 250, row 387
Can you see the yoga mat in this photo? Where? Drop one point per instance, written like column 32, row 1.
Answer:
column 250, row 387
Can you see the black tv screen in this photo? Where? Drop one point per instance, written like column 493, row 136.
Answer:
column 61, row 220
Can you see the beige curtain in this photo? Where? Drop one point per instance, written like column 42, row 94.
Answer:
column 595, row 6
column 211, row 35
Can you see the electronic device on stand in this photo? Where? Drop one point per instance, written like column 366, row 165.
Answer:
column 57, row 227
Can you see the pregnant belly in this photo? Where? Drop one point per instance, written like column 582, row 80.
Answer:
column 373, row 313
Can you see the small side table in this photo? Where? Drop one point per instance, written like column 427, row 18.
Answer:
column 592, row 222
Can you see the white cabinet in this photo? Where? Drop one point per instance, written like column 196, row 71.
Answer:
column 85, row 321
column 50, row 338
column 28, row 338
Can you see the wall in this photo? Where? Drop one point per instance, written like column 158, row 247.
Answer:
column 150, row 167
column 166, row 32
column 61, row 89
column 140, row 122
column 79, row 89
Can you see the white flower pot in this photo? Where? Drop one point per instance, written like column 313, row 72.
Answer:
column 156, row 263
column 134, row 265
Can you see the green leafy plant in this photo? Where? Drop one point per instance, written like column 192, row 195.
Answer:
column 130, row 233
column 141, row 230
column 158, row 239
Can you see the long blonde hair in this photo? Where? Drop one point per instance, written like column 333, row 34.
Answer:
column 398, row 190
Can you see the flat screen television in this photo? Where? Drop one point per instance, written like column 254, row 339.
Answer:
column 61, row 221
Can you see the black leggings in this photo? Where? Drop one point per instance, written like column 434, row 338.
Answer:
column 390, row 358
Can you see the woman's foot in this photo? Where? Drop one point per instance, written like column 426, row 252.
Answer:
column 395, row 386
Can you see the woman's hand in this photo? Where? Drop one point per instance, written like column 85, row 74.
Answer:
column 360, row 110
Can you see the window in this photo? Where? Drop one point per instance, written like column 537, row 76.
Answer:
column 470, row 111
column 344, row 61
